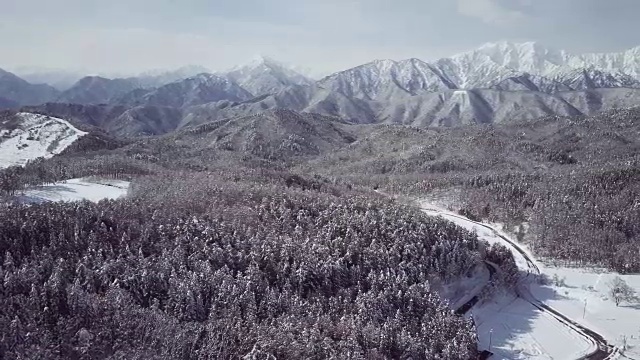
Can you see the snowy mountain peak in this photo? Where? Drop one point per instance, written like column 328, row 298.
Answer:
column 531, row 57
column 264, row 75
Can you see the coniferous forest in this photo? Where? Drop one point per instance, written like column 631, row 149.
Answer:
column 196, row 267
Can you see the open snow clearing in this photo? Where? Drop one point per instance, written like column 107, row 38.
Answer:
column 76, row 190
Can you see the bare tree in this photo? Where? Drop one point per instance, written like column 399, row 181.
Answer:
column 620, row 291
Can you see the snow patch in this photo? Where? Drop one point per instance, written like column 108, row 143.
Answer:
column 76, row 190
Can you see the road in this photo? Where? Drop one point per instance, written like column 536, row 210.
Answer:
column 604, row 350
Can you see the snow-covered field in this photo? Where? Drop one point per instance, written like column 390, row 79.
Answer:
column 36, row 136
column 76, row 190
column 514, row 328
column 585, row 299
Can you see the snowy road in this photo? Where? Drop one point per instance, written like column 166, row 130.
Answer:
column 525, row 327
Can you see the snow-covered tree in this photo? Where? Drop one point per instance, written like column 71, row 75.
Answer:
column 620, row 291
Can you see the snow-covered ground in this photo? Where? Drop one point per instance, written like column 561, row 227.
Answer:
column 590, row 287
column 513, row 328
column 35, row 136
column 459, row 292
column 76, row 190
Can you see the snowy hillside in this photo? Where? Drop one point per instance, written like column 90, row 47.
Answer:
column 27, row 136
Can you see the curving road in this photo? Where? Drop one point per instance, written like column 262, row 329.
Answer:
column 603, row 351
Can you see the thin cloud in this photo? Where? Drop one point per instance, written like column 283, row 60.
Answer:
column 490, row 12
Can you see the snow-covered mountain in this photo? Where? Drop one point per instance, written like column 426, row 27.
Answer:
column 592, row 78
column 388, row 79
column 502, row 66
column 27, row 136
column 496, row 82
column 444, row 108
column 264, row 75
column 627, row 62
column 530, row 57
column 537, row 59
column 196, row 90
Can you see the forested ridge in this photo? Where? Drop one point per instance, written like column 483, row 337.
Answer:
column 575, row 182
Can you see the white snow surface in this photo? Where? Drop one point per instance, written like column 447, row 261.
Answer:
column 584, row 298
column 76, row 190
column 513, row 328
column 36, row 136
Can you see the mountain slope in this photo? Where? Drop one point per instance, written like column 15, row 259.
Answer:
column 146, row 120
column 530, row 82
column 121, row 121
column 27, row 136
column 197, row 90
column 97, row 90
column 18, row 91
column 59, row 79
column 273, row 134
column 266, row 76
column 298, row 98
column 388, row 79
column 592, row 78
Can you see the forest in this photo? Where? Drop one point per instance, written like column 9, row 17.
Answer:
column 210, row 265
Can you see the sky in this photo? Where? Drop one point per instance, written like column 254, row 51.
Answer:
column 132, row 36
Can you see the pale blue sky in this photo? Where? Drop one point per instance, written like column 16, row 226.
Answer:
column 328, row 35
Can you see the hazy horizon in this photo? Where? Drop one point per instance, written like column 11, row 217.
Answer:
column 130, row 37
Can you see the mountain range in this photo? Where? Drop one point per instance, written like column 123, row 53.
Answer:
column 495, row 83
